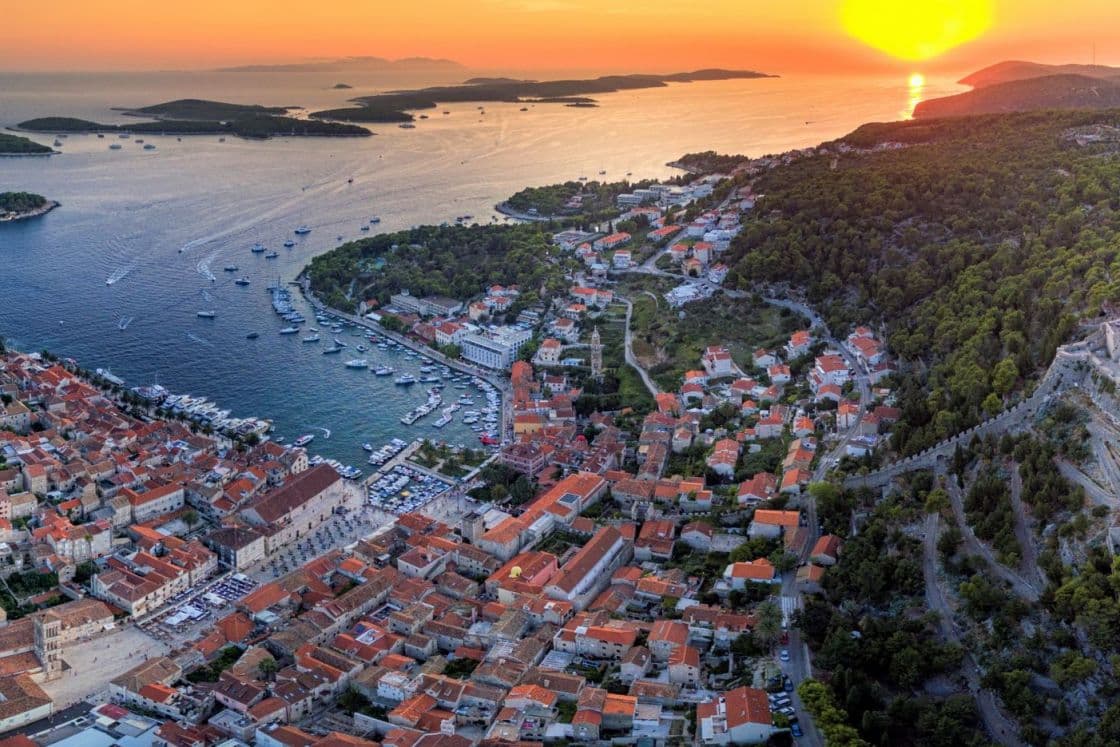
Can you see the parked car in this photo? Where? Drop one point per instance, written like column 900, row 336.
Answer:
column 795, row 729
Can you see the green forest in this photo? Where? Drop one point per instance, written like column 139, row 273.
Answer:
column 15, row 145
column 455, row 261
column 20, row 202
column 980, row 245
column 598, row 198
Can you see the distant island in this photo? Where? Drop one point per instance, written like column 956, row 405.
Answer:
column 395, row 107
column 353, row 64
column 1026, row 86
column 21, row 205
column 341, row 86
column 16, row 145
column 201, row 117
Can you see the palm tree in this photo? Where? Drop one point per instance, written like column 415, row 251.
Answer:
column 768, row 623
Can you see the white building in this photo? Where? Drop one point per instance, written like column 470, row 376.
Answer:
column 496, row 349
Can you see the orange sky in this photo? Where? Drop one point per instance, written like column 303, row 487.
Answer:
column 594, row 35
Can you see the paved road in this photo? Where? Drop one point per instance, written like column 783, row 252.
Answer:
column 1093, row 489
column 1002, row 729
column 631, row 359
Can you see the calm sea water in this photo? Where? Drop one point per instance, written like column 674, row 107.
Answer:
column 161, row 223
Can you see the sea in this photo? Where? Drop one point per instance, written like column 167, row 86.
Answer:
column 145, row 234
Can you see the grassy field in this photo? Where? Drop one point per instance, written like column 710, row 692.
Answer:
column 669, row 341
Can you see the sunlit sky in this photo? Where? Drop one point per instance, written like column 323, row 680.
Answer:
column 780, row 36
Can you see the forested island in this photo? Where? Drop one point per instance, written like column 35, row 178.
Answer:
column 15, row 145
column 20, row 205
column 201, row 117
column 395, row 107
column 708, row 162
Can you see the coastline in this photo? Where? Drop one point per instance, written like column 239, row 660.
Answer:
column 506, row 210
column 13, row 217
column 144, row 133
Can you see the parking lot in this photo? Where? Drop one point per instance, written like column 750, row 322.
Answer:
column 403, row 489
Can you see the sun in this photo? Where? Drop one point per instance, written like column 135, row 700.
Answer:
column 917, row 80
column 916, row 29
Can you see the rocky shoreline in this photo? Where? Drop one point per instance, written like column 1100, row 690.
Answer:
column 12, row 217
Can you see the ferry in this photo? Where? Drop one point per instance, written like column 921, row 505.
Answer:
column 241, row 281
column 301, row 230
column 311, row 338
column 289, row 331
column 252, row 335
column 304, row 440
column 288, row 243
column 357, row 363
column 206, row 314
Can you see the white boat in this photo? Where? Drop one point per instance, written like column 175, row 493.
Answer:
column 206, row 314
column 357, row 363
column 383, row 371
column 258, row 249
column 289, row 331
column 288, row 243
column 405, row 380
column 108, row 376
column 301, row 230
column 241, row 281
column 271, row 255
column 304, row 440
column 311, row 338
column 367, row 447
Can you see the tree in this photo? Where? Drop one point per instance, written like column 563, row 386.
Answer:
column 1004, row 376
column 768, row 625
column 190, row 518
column 268, row 667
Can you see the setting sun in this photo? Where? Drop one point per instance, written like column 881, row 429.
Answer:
column 919, row 30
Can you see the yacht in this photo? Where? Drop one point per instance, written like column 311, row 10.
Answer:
column 206, row 314
column 383, row 371
column 357, row 363
column 311, row 338
column 289, row 331
column 258, row 249
column 288, row 243
column 241, row 281
column 301, row 230
column 304, row 440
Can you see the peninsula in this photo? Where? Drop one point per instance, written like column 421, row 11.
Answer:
column 395, row 106
column 21, row 205
column 1027, row 86
column 16, row 145
column 201, row 117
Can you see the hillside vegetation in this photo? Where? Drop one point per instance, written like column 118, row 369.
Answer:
column 979, row 247
column 15, row 145
column 250, row 127
column 1065, row 91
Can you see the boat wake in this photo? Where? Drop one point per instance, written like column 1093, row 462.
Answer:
column 201, row 341
column 206, row 295
column 326, row 431
column 203, row 267
column 118, row 275
column 124, row 322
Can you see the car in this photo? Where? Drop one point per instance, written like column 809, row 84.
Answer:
column 795, row 729
column 784, row 655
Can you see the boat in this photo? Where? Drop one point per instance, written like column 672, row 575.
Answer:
column 108, row 376
column 252, row 335
column 375, row 219
column 602, row 172
column 241, row 281
column 289, row 331
column 350, row 180
column 364, row 228
column 258, row 249
column 332, row 351
column 124, row 136
column 100, row 136
column 221, row 140
column 405, row 380
column 304, row 440
column 271, row 255
column 488, row 440
column 57, row 143
column 383, row 371
column 407, row 126
column 339, row 343
column 311, row 338
column 115, row 146
column 357, row 363
column 367, row 447
column 288, row 243
column 206, row 314
column 231, row 268
column 149, row 146
column 301, row 230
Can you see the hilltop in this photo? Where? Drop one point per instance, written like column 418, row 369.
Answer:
column 1004, row 72
column 394, row 107
column 1064, row 91
column 201, row 109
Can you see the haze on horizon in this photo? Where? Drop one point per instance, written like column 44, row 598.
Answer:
column 551, row 35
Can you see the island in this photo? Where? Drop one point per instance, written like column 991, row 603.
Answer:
column 22, row 205
column 16, row 145
column 1027, row 86
column 354, row 65
column 395, row 106
column 201, row 117
column 341, row 86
